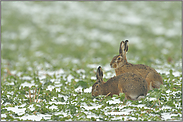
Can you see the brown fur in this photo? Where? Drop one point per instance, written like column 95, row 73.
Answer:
column 121, row 65
column 132, row 85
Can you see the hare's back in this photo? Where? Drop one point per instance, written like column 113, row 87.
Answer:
column 144, row 69
column 136, row 68
column 132, row 83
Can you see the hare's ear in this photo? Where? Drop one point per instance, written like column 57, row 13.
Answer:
column 126, row 46
column 121, row 48
column 99, row 74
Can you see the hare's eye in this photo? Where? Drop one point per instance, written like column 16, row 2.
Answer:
column 119, row 58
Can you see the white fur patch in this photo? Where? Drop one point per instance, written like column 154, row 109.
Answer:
column 133, row 96
column 141, row 97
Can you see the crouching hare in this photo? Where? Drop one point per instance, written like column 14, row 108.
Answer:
column 132, row 85
column 121, row 65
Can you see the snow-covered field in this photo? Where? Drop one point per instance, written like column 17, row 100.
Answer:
column 77, row 37
column 123, row 110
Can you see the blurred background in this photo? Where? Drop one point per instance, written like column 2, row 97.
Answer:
column 64, row 35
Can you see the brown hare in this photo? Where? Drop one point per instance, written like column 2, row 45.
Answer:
column 132, row 85
column 121, row 65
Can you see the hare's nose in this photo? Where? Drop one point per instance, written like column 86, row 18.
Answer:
column 111, row 65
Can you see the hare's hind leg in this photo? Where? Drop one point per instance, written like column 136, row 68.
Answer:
column 154, row 80
column 149, row 81
column 157, row 83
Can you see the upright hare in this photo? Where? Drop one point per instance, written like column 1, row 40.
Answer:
column 132, row 85
column 120, row 64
